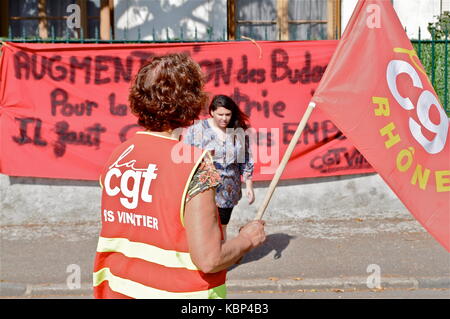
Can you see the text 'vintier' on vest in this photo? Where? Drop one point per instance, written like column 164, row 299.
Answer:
column 142, row 250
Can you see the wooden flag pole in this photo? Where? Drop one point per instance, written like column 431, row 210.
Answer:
column 284, row 160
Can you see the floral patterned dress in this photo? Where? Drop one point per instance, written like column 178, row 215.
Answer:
column 232, row 159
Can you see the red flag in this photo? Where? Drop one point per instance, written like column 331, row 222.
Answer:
column 377, row 93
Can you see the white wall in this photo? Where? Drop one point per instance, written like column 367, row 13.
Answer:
column 347, row 7
column 445, row 5
column 168, row 17
column 412, row 14
column 417, row 13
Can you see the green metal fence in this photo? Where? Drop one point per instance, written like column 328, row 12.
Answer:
column 432, row 53
column 434, row 57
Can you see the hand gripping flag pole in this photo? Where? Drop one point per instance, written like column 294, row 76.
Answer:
column 285, row 159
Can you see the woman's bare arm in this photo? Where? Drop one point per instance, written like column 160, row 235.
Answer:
column 207, row 251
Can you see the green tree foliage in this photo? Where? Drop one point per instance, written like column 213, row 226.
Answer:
column 441, row 27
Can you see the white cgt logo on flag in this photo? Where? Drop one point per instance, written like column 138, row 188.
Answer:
column 425, row 102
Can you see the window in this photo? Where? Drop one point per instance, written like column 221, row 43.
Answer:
column 48, row 18
column 284, row 19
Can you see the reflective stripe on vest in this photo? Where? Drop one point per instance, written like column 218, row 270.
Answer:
column 168, row 258
column 137, row 290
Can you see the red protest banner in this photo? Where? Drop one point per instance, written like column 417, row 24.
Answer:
column 63, row 107
column 376, row 91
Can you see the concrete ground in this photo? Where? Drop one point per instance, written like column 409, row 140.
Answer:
column 299, row 256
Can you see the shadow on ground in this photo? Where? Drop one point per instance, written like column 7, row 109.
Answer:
column 274, row 242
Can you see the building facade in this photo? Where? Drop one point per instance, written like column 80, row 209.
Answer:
column 198, row 19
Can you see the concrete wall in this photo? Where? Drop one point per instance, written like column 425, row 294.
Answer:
column 43, row 201
column 412, row 14
column 26, row 200
column 160, row 17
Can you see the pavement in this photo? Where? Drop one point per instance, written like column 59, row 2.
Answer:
column 298, row 255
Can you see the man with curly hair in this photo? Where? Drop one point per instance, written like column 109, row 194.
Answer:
column 161, row 235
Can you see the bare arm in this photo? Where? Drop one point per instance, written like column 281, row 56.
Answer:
column 249, row 191
column 207, row 251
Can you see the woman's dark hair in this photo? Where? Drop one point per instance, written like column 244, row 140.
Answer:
column 167, row 93
column 238, row 118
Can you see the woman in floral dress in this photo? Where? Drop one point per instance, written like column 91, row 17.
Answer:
column 224, row 135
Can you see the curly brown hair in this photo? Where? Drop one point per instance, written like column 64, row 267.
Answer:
column 167, row 93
